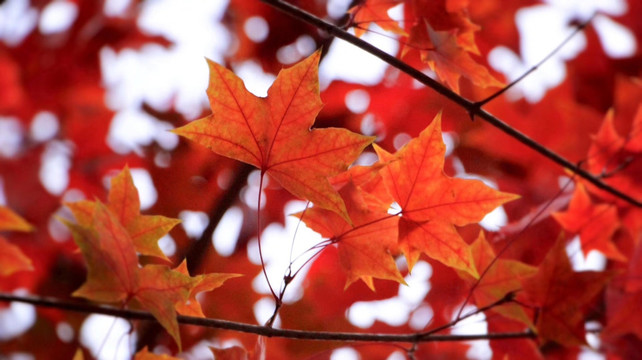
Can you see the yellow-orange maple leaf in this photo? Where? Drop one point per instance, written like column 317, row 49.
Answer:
column 114, row 274
column 502, row 278
column 433, row 203
column 274, row 133
column 123, row 201
column 12, row 259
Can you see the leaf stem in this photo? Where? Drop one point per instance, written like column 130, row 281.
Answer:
column 468, row 105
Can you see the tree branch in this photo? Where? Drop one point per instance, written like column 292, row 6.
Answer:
column 474, row 109
column 257, row 329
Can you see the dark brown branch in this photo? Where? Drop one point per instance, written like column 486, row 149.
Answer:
column 472, row 108
column 257, row 329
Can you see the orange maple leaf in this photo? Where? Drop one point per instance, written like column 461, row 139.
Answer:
column 123, row 201
column 595, row 224
column 433, row 203
column 114, row 274
column 365, row 246
column 375, row 11
column 448, row 58
column 502, row 278
column 12, row 259
column 274, row 133
column 560, row 294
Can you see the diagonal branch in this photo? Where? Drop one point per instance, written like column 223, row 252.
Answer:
column 258, row 329
column 474, row 109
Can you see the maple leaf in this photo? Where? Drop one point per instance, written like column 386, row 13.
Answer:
column 447, row 58
column 11, row 257
column 364, row 246
column 202, row 283
column 114, row 275
column 432, row 203
column 560, row 295
column 274, row 133
column 596, row 224
column 123, row 201
column 501, row 279
column 375, row 11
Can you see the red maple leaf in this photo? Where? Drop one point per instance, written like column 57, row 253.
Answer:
column 561, row 295
column 595, row 223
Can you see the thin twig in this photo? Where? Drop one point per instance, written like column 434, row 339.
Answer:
column 578, row 29
column 470, row 106
column 258, row 329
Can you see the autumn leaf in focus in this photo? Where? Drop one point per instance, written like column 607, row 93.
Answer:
column 12, row 259
column 274, row 133
column 114, row 274
column 502, row 278
column 595, row 224
column 561, row 295
column 123, row 201
column 365, row 246
column 375, row 11
column 432, row 203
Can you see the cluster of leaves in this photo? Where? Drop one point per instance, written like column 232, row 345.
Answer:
column 412, row 205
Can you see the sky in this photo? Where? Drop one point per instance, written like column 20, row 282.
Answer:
column 157, row 75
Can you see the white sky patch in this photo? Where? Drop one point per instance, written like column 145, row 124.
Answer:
column 256, row 28
column 345, row 353
column 17, row 20
column 11, row 135
column 227, row 231
column 357, row 101
column 177, row 75
column 595, row 261
column 618, row 41
column 538, row 41
column 145, row 185
column 16, row 319
column 65, row 332
column 44, row 126
column 263, row 310
column 476, row 324
column 167, row 245
column 57, row 16
column 397, row 310
column 115, row 7
column 194, row 222
column 113, row 332
column 337, row 8
column 276, row 244
column 130, row 130
column 256, row 81
column 54, row 167
column 349, row 63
